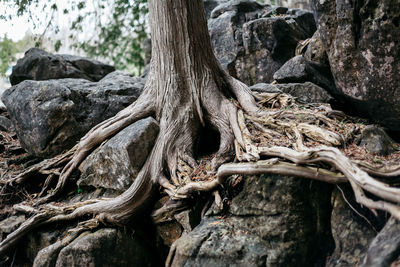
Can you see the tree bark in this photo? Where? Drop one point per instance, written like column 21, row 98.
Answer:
column 186, row 89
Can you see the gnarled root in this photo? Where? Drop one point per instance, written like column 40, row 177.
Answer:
column 306, row 149
column 303, row 156
column 140, row 109
column 168, row 165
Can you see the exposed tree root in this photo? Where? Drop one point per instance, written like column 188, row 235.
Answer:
column 303, row 161
column 185, row 90
column 139, row 109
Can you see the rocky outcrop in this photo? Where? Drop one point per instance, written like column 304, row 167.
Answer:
column 105, row 247
column 209, row 6
column 315, row 50
column 384, row 249
column 299, row 70
column 116, row 164
column 362, row 40
column 6, row 124
column 375, row 140
column 10, row 224
column 303, row 92
column 351, row 232
column 273, row 221
column 39, row 65
column 253, row 41
column 50, row 116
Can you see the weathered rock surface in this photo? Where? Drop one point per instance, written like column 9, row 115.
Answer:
column 304, row 92
column 253, row 41
column 299, row 70
column 36, row 241
column 116, row 164
column 39, row 65
column 50, row 116
column 385, row 248
column 209, row 6
column 376, row 141
column 10, row 224
column 351, row 232
column 315, row 50
column 6, row 124
column 105, row 247
column 265, row 88
column 273, row 221
column 362, row 40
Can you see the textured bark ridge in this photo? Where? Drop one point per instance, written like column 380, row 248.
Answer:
column 186, row 89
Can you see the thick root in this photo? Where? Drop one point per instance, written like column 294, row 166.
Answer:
column 301, row 143
column 275, row 166
column 138, row 110
column 306, row 156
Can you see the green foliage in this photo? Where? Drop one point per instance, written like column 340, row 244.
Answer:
column 9, row 50
column 109, row 30
column 7, row 53
column 120, row 37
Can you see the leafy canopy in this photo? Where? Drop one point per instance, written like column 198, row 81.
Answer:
column 110, row 30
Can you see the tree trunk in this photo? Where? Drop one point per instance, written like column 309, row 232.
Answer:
column 185, row 88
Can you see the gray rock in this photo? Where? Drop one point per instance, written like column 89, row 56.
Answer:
column 265, row 88
column 11, row 223
column 304, row 92
column 51, row 116
column 39, row 65
column 376, row 141
column 385, row 248
column 315, row 50
column 252, row 41
column 299, row 70
column 107, row 247
column 362, row 40
column 116, row 164
column 6, row 124
column 275, row 11
column 273, row 221
column 47, row 256
column 237, row 6
column 209, row 6
column 352, row 234
column 37, row 240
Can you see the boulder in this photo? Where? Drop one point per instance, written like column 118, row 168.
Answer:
column 351, row 232
column 273, row 221
column 105, row 247
column 299, row 70
column 303, row 92
column 385, row 248
column 10, row 224
column 51, row 116
column 252, row 41
column 209, row 6
column 6, row 124
column 362, row 40
column 265, row 88
column 116, row 164
column 315, row 50
column 376, row 141
column 36, row 241
column 39, row 65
